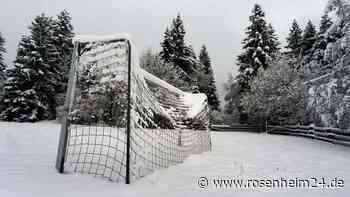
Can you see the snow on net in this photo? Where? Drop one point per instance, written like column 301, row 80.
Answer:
column 166, row 124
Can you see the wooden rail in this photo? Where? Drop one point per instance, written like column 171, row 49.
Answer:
column 237, row 128
column 332, row 135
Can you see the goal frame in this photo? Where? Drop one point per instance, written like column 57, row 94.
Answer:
column 65, row 124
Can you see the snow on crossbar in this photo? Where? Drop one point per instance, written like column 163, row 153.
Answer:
column 121, row 122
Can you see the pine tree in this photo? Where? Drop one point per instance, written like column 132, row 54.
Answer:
column 174, row 49
column 322, row 40
column 325, row 24
column 62, row 39
column 189, row 51
column 2, row 68
column 62, row 35
column 173, row 45
column 273, row 45
column 48, row 65
column 294, row 39
column 209, row 87
column 167, row 52
column 2, row 63
column 177, row 33
column 32, row 85
column 259, row 47
column 21, row 101
column 309, row 38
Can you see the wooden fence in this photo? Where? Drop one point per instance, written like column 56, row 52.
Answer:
column 332, row 135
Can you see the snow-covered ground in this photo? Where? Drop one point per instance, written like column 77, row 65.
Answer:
column 28, row 151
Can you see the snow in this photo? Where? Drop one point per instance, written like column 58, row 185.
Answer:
column 196, row 103
column 28, row 151
column 100, row 38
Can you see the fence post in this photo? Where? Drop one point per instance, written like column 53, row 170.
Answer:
column 128, row 134
column 62, row 146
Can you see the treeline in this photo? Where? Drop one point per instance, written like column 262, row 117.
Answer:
column 34, row 86
column 272, row 84
column 178, row 64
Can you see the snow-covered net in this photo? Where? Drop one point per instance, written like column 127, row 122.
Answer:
column 122, row 122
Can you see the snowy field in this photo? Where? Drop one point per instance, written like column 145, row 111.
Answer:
column 28, row 151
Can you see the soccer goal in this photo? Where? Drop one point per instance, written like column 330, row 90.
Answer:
column 121, row 122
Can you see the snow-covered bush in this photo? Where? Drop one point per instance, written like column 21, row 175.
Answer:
column 277, row 94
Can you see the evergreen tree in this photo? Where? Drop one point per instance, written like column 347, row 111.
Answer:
column 294, row 39
column 209, row 87
column 167, row 52
column 309, row 38
column 322, row 40
column 177, row 33
column 174, row 49
column 21, row 102
column 259, row 47
column 325, row 24
column 189, row 51
column 273, row 45
column 32, row 85
column 173, row 45
column 2, row 69
column 62, row 39
column 62, row 36
column 2, row 63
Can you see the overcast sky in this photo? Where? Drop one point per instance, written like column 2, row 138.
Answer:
column 218, row 24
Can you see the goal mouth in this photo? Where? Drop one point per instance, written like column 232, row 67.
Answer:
column 121, row 122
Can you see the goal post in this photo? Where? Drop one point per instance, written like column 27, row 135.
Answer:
column 121, row 122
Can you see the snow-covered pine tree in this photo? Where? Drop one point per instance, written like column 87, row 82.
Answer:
column 309, row 39
column 2, row 68
column 21, row 101
column 177, row 33
column 273, row 44
column 173, row 44
column 36, row 73
column 62, row 38
column 46, row 63
column 294, row 39
column 325, row 24
column 259, row 47
column 167, row 52
column 174, row 49
column 321, row 42
column 2, row 63
column 189, row 51
column 209, row 87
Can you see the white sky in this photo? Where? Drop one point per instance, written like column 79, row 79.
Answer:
column 219, row 24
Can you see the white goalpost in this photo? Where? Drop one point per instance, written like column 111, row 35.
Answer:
column 121, row 122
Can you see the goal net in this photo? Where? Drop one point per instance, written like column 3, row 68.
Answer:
column 121, row 122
